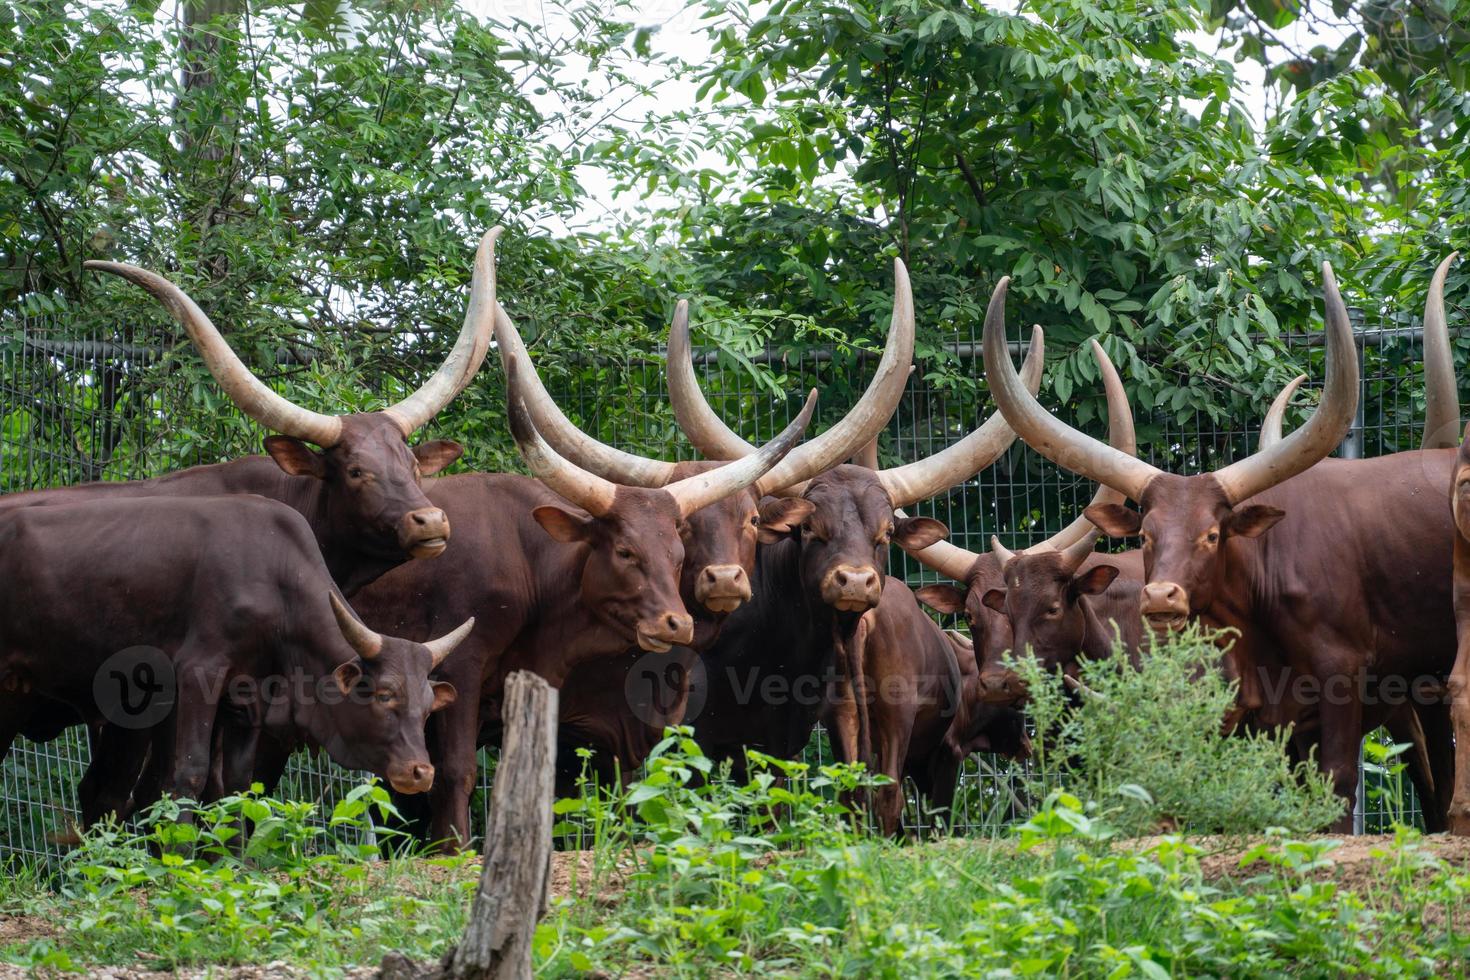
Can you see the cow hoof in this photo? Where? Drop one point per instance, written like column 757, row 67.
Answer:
column 1460, row 820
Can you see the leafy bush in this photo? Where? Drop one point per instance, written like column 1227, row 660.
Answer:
column 1147, row 739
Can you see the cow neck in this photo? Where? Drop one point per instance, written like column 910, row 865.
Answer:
column 1097, row 636
column 563, row 634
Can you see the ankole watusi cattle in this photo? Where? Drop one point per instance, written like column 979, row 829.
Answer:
column 231, row 594
column 560, row 569
column 361, row 494
column 979, row 574
column 786, row 657
column 721, row 543
column 1349, row 593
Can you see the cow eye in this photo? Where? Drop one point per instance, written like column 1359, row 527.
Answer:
column 625, row 553
column 755, row 520
column 355, row 472
column 1054, row 610
column 1213, row 537
column 384, row 697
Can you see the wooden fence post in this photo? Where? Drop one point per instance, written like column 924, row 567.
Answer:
column 515, row 875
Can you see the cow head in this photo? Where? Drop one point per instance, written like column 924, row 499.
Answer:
column 1043, row 599
column 385, row 697
column 1460, row 488
column 1186, row 522
column 370, row 476
column 635, row 535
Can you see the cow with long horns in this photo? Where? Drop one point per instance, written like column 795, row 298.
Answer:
column 788, row 656
column 360, row 491
column 1353, row 596
column 228, row 593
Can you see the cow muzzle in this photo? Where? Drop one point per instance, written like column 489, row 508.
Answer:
column 852, row 588
column 1002, row 687
column 722, row 588
column 662, row 634
column 424, row 533
column 1165, row 606
column 411, row 777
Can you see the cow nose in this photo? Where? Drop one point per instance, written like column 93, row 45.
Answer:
column 1165, row 605
column 852, row 588
column 424, row 533
column 411, row 777
column 662, row 633
column 722, row 588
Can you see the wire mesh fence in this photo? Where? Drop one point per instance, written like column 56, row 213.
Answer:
column 117, row 404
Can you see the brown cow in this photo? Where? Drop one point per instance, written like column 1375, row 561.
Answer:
column 361, row 495
column 228, row 591
column 767, row 672
column 1352, row 598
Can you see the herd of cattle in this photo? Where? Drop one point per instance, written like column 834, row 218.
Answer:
column 756, row 582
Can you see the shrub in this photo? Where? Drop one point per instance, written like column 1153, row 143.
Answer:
column 1146, row 739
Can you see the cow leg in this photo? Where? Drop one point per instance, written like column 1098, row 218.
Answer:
column 1459, row 689
column 452, row 751
column 1342, row 737
column 193, row 748
column 118, row 755
column 893, row 749
column 1439, row 743
column 942, row 779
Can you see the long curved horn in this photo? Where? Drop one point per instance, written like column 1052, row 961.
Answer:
column 1043, row 431
column 575, row 445
column 1328, row 424
column 367, row 643
column 862, row 422
column 444, row 646
column 1276, row 414
column 469, row 350
column 949, row 560
column 1441, row 395
column 587, row 490
column 1121, row 437
column 703, row 489
column 243, row 387
column 922, row 479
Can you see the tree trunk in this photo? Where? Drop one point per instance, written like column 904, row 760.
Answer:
column 516, row 872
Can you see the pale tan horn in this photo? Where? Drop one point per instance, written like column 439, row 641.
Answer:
column 703, row 489
column 922, row 479
column 1324, row 430
column 1441, row 394
column 469, row 351
column 1075, row 554
column 367, row 643
column 571, row 442
column 1276, row 414
column 243, row 388
column 444, row 646
column 1044, row 432
column 1121, row 436
column 1002, row 554
column 587, row 490
column 862, row 422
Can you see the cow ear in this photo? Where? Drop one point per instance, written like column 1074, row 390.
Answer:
column 1115, row 520
column 782, row 516
column 995, row 599
column 941, row 598
column 563, row 525
column 444, row 695
column 347, row 676
column 1094, row 581
column 436, row 454
column 918, row 533
column 296, row 457
column 1253, row 521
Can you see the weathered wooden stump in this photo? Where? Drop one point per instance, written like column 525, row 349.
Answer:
column 517, row 854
